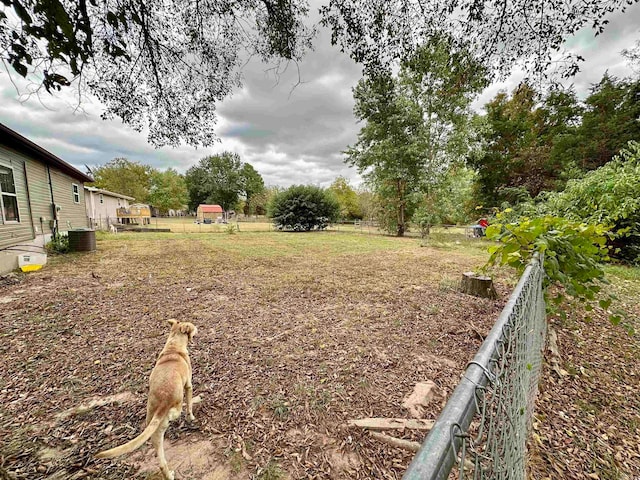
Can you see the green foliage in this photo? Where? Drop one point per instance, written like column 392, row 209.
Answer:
column 121, row 175
column 517, row 142
column 424, row 217
column 257, row 204
column 252, row 185
column 367, row 203
column 221, row 179
column 573, row 256
column 271, row 472
column 347, row 199
column 534, row 143
column 168, row 191
column 609, row 122
column 390, row 147
column 608, row 195
column 59, row 244
column 416, row 125
column 449, row 200
column 303, row 208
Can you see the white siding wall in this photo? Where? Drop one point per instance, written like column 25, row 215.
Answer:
column 103, row 214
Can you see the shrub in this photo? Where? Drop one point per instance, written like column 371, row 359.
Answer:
column 573, row 256
column 609, row 195
column 59, row 244
column 424, row 217
column 303, row 208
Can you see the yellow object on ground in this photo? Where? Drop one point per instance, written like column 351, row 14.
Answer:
column 30, row 262
column 30, row 268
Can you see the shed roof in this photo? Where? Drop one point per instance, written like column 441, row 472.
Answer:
column 22, row 144
column 107, row 192
column 210, row 208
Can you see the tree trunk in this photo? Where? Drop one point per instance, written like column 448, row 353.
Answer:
column 401, row 225
column 478, row 286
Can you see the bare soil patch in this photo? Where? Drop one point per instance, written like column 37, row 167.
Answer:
column 297, row 334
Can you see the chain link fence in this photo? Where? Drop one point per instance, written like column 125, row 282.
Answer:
column 482, row 432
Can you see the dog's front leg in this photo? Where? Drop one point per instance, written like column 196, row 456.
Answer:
column 189, row 391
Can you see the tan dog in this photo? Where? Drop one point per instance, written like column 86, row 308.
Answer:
column 169, row 379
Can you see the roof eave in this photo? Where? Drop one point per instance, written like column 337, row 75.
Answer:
column 16, row 141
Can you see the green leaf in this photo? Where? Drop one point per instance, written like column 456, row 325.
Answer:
column 605, row 303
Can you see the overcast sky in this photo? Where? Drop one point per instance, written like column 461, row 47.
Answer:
column 290, row 135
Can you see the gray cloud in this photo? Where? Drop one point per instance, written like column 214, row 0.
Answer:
column 601, row 53
column 290, row 123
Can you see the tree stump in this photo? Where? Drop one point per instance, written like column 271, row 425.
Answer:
column 478, row 286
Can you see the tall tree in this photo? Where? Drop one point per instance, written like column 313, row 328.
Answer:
column 390, row 151
column 610, row 120
column 536, row 143
column 121, row 175
column 164, row 64
column 217, row 179
column 527, row 144
column 168, row 191
column 415, row 124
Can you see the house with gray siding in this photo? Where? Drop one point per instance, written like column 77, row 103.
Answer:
column 39, row 194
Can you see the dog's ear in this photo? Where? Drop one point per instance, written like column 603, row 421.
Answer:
column 172, row 322
column 189, row 329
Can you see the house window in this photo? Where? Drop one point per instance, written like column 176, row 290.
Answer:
column 101, row 199
column 76, row 193
column 8, row 198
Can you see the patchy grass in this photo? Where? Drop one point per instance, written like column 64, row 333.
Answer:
column 297, row 334
column 271, row 472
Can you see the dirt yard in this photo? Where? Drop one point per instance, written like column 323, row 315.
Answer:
column 298, row 333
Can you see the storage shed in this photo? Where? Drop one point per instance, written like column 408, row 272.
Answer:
column 210, row 212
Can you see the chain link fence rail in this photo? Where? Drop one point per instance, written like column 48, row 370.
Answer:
column 483, row 429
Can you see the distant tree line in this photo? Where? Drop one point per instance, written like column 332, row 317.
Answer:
column 218, row 179
column 428, row 159
column 532, row 142
column 221, row 179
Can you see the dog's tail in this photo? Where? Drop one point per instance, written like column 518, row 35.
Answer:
column 136, row 442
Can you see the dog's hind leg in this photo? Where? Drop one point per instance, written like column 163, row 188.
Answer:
column 158, row 442
column 189, row 391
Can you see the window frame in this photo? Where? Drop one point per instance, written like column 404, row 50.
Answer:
column 3, row 220
column 75, row 190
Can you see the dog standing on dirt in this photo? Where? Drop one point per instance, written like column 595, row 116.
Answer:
column 169, row 379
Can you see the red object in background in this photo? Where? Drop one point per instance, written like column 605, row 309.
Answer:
column 483, row 223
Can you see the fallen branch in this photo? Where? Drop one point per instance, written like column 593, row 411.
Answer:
column 396, row 442
column 391, row 423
